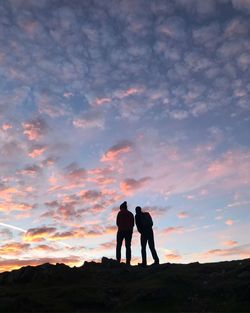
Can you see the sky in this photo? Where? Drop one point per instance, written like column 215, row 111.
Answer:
column 136, row 100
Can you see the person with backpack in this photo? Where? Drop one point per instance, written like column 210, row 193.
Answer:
column 125, row 223
column 144, row 225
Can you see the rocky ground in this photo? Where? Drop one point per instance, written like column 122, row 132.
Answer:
column 112, row 287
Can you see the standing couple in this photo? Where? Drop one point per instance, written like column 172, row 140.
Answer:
column 125, row 224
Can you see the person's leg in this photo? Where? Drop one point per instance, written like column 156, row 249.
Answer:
column 128, row 238
column 151, row 244
column 119, row 239
column 143, row 249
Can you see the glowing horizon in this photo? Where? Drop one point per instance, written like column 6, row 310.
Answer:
column 136, row 100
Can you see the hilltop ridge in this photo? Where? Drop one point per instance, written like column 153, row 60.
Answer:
column 112, row 287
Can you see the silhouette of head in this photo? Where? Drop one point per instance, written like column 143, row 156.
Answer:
column 123, row 206
column 138, row 209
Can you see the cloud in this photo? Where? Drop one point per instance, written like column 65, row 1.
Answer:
column 39, row 233
column 37, row 151
column 156, row 211
column 7, row 193
column 230, row 243
column 130, row 185
column 172, row 257
column 242, row 5
column 5, row 234
column 240, row 251
column 15, row 206
column 108, row 245
column 116, row 151
column 102, row 101
column 6, row 126
column 74, row 174
column 229, row 222
column 14, row 248
column 182, row 215
column 32, row 170
column 173, row 229
column 34, row 129
column 236, row 27
column 90, row 120
column 10, row 264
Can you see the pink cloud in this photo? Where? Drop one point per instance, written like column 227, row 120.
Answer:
column 37, row 151
column 39, row 233
column 90, row 120
column 182, row 215
column 155, row 210
column 34, row 129
column 117, row 151
column 130, row 91
column 32, row 170
column 172, row 257
column 14, row 248
column 242, row 251
column 6, row 126
column 130, row 185
column 230, row 222
column 102, row 101
column 108, row 245
column 6, row 193
column 15, row 206
column 172, row 230
column 10, row 264
column 230, row 243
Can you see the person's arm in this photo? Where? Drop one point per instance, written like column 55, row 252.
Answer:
column 138, row 224
column 151, row 220
column 118, row 219
column 132, row 220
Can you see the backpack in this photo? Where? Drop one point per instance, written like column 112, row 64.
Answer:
column 146, row 220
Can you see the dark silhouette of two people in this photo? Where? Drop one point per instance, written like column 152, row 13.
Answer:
column 125, row 224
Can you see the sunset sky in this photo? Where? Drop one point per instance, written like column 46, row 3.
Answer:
column 107, row 101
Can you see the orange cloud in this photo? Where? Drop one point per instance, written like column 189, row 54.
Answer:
column 242, row 251
column 183, row 214
column 15, row 206
column 117, row 150
column 230, row 243
column 171, row 230
column 14, row 248
column 6, row 126
column 37, row 151
column 10, row 264
column 6, row 193
column 38, row 234
column 108, row 245
column 172, row 257
column 129, row 185
column 229, row 222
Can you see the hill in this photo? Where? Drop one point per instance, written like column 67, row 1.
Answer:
column 112, row 287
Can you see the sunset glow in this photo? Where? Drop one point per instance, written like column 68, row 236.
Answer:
column 137, row 100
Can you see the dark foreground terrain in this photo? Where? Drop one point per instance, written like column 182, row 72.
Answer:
column 112, row 287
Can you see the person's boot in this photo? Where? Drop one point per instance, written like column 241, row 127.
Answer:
column 142, row 264
column 155, row 263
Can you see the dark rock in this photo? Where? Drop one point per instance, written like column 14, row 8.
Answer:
column 115, row 287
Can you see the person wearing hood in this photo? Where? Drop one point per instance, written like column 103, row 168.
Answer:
column 144, row 225
column 125, row 224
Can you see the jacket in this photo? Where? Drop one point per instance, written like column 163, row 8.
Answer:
column 125, row 220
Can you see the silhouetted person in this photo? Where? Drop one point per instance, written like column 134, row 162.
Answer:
column 125, row 223
column 144, row 225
